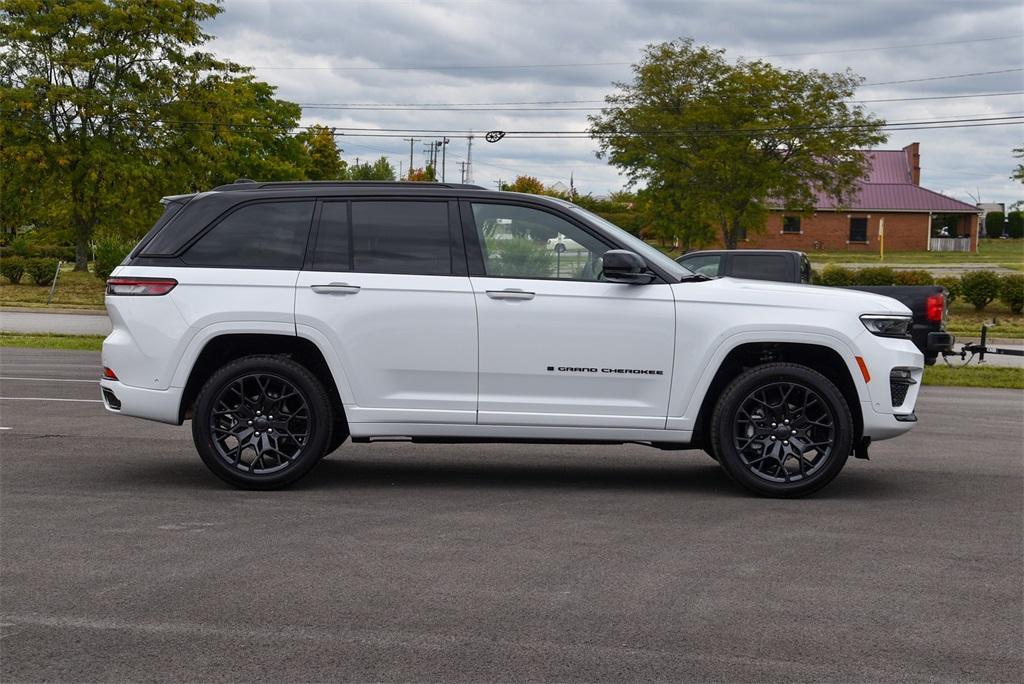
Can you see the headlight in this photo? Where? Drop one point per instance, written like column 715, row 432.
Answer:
column 887, row 326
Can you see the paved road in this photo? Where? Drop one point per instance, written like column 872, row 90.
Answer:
column 62, row 323
column 124, row 560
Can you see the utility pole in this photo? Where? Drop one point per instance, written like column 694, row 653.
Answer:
column 499, row 183
column 411, row 141
column 444, row 149
column 462, row 170
column 469, row 160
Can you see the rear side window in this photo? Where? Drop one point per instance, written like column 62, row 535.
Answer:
column 401, row 237
column 759, row 266
column 264, row 235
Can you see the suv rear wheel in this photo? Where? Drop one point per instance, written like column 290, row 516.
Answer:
column 262, row 422
column 782, row 430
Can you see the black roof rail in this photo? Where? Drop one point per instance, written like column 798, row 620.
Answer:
column 247, row 184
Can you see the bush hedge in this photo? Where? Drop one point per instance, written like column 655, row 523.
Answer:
column 952, row 285
column 979, row 288
column 110, row 252
column 12, row 268
column 1011, row 291
column 41, row 270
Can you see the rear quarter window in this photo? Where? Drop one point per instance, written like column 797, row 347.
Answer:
column 760, row 267
column 270, row 235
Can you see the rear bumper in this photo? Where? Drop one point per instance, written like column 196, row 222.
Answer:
column 139, row 402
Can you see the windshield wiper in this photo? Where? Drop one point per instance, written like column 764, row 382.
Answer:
column 694, row 278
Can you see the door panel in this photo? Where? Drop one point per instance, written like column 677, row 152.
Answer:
column 560, row 346
column 381, row 293
column 405, row 341
column 575, row 353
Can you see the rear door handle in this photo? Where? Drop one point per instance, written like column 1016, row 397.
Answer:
column 335, row 288
column 510, row 294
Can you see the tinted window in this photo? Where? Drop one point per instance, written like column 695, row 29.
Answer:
column 401, row 237
column 519, row 242
column 264, row 235
column 333, row 241
column 858, row 230
column 704, row 264
column 759, row 266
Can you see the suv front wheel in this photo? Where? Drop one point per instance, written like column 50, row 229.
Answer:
column 262, row 422
column 782, row 430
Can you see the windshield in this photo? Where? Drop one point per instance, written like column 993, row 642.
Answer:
column 651, row 254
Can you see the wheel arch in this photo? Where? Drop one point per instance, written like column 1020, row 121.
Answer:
column 226, row 347
column 821, row 358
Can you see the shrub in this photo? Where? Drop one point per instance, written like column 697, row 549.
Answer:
column 110, row 252
column 520, row 257
column 1011, row 291
column 979, row 288
column 874, row 275
column 41, row 270
column 53, row 252
column 952, row 285
column 12, row 268
column 835, row 276
column 916, row 277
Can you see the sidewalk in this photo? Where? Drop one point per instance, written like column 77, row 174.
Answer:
column 63, row 321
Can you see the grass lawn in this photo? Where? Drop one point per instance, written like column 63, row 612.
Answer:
column 1006, row 253
column 74, row 291
column 974, row 376
column 965, row 322
column 49, row 341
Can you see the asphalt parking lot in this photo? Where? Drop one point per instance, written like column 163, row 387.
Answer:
column 121, row 558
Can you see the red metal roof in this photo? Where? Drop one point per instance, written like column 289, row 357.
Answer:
column 888, row 186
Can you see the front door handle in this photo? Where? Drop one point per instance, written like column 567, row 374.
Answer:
column 335, row 288
column 510, row 294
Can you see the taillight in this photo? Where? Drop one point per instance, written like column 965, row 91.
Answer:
column 109, row 374
column 935, row 307
column 140, row 286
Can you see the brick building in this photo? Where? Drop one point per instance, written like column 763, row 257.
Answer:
column 915, row 218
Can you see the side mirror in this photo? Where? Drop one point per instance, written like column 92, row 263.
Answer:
column 623, row 266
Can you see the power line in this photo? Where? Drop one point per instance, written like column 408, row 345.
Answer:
column 567, row 65
column 939, row 78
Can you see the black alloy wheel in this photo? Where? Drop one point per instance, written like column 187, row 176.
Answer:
column 782, row 430
column 262, row 422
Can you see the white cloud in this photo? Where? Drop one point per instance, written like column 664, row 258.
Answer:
column 311, row 33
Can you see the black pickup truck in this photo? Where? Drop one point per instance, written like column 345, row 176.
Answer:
column 927, row 302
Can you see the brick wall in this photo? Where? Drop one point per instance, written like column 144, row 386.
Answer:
column 904, row 232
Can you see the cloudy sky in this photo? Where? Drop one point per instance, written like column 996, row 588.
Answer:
column 478, row 56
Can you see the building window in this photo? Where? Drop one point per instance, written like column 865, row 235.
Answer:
column 858, row 230
column 790, row 224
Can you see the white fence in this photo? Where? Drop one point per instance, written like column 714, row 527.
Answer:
column 950, row 244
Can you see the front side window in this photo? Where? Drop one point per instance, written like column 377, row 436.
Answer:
column 519, row 242
column 264, row 235
column 410, row 238
column 858, row 230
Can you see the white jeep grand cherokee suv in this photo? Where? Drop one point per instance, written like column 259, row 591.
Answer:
column 283, row 318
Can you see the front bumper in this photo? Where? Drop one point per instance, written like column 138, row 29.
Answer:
column 139, row 402
column 883, row 420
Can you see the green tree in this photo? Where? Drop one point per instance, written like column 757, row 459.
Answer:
column 994, row 223
column 322, row 156
column 528, row 184
column 379, row 170
column 732, row 141
column 1018, row 171
column 108, row 103
column 424, row 175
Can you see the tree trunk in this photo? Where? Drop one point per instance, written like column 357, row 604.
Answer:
column 729, row 235
column 80, row 223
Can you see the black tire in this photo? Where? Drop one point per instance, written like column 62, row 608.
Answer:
column 239, row 399
column 782, row 430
